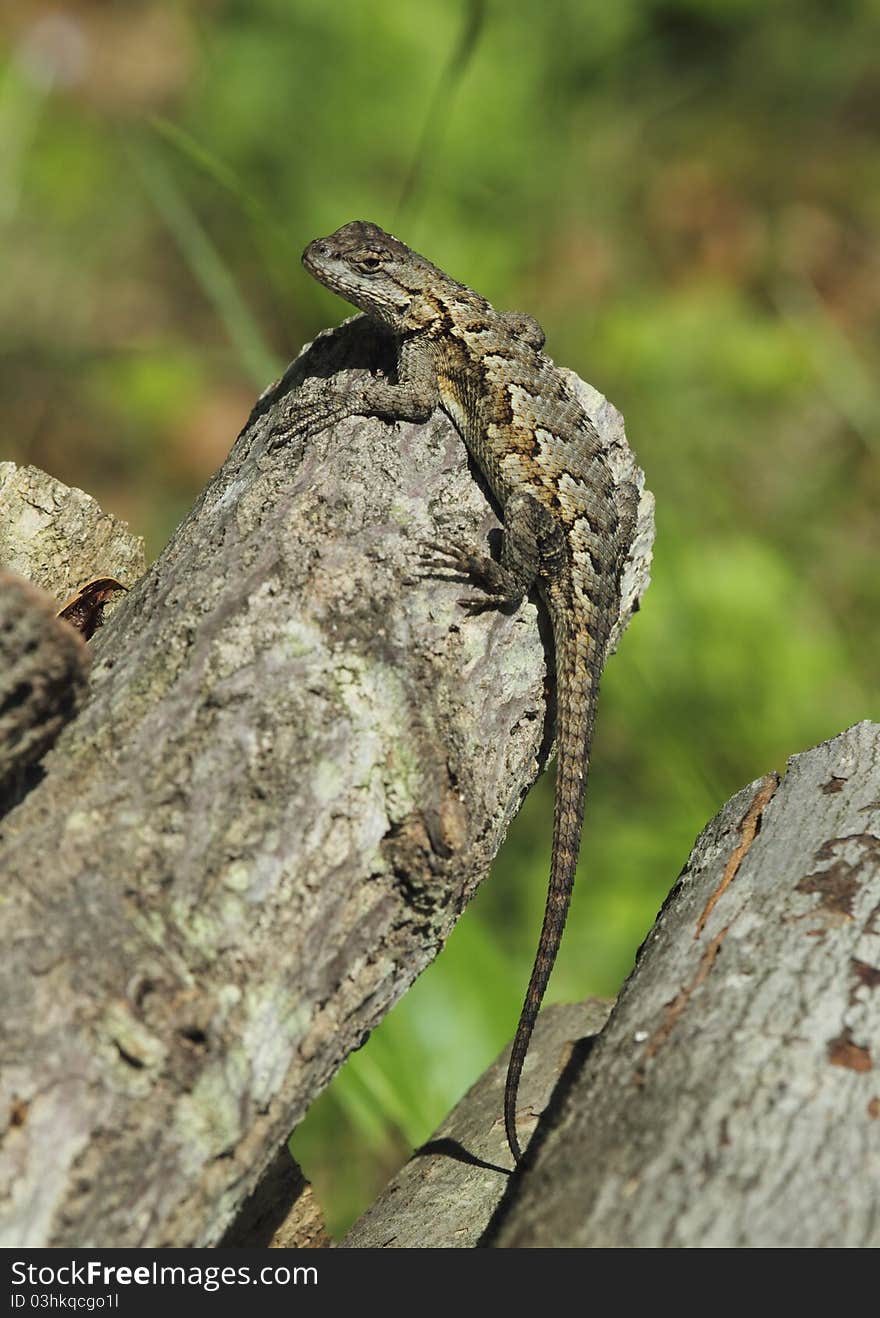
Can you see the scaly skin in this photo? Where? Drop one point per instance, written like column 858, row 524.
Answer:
column 567, row 527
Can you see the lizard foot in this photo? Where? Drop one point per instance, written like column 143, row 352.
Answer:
column 451, row 562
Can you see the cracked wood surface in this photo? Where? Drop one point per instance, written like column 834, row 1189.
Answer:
column 53, row 540
column 734, row 1097
column 44, row 665
column 58, row 537
column 294, row 766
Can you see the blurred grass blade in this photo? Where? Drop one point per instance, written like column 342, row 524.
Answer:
column 473, row 21
column 225, row 177
column 370, row 1097
column 21, row 108
column 205, row 263
column 848, row 384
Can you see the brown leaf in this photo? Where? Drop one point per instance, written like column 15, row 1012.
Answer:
column 85, row 611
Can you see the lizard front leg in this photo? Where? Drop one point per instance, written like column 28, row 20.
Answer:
column 320, row 405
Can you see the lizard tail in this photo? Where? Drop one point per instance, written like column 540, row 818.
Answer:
column 576, row 689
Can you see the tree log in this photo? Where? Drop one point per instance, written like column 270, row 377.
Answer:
column 445, row 1196
column 732, row 1099
column 53, row 540
column 281, row 1213
column 58, row 538
column 295, row 764
column 43, row 668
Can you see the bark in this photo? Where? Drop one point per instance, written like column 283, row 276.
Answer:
column 53, row 540
column 43, row 667
column 295, row 764
column 445, row 1196
column 281, row 1213
column 732, row 1099
column 58, row 537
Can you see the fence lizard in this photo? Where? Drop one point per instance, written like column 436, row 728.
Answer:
column 567, row 526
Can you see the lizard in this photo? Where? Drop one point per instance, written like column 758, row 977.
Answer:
column 567, row 528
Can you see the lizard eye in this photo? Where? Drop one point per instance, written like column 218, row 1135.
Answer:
column 369, row 263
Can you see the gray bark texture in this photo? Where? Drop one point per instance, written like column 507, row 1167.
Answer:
column 43, row 669
column 445, row 1196
column 733, row 1098
column 53, row 540
column 295, row 763
column 59, row 538
column 281, row 1213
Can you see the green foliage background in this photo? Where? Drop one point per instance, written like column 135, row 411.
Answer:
column 684, row 192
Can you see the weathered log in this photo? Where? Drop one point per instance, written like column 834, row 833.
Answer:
column 445, row 1196
column 53, row 540
column 281, row 1212
column 43, row 668
column 295, row 765
column 58, row 537
column 732, row 1099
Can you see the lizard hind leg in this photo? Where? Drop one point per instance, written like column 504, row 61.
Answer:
column 505, row 583
column 452, row 562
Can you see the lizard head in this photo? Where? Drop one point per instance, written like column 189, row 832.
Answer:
column 372, row 270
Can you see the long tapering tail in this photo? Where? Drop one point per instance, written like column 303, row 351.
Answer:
column 577, row 682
